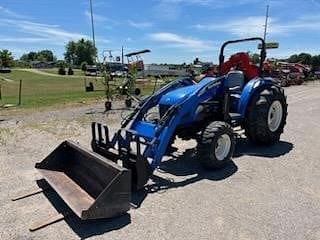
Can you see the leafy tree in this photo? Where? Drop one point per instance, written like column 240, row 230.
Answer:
column 43, row 55
column 80, row 51
column 22, row 64
column 315, row 61
column 6, row 58
column 293, row 58
column 70, row 54
column 305, row 58
column 24, row 58
column 28, row 57
column 61, row 64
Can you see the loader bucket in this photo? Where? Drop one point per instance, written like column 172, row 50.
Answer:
column 91, row 185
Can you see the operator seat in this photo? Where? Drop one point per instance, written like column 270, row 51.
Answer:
column 235, row 82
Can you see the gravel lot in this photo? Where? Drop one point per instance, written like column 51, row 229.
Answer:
column 266, row 193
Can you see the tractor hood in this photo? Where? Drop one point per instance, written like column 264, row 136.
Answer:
column 178, row 95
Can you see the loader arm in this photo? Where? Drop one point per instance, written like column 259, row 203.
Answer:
column 161, row 133
column 140, row 144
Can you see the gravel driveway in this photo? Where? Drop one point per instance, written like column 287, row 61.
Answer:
column 265, row 193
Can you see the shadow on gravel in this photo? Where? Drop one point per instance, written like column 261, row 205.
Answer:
column 188, row 166
column 183, row 165
column 88, row 228
column 244, row 147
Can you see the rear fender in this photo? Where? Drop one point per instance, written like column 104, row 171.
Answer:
column 249, row 90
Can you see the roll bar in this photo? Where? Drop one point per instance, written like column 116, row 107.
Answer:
column 263, row 53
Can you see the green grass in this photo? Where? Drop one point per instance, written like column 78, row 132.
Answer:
column 40, row 90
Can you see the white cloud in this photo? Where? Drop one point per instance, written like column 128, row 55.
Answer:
column 129, row 39
column 254, row 26
column 96, row 3
column 9, row 13
column 105, row 22
column 50, row 33
column 102, row 40
column 96, row 17
column 172, row 9
column 210, row 3
column 191, row 2
column 140, row 24
column 22, row 40
column 251, row 26
column 177, row 41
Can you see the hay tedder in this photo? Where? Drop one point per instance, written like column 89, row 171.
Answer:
column 98, row 183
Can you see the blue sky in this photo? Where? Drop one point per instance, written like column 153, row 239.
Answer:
column 176, row 31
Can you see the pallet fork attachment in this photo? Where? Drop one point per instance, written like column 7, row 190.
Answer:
column 132, row 159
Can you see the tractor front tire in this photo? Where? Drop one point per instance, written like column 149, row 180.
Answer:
column 216, row 145
column 266, row 116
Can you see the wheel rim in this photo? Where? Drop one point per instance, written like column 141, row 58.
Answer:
column 223, row 147
column 275, row 116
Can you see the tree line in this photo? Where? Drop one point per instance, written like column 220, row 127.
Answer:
column 305, row 58
column 44, row 55
column 76, row 53
column 83, row 52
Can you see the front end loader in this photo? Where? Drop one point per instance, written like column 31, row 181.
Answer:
column 98, row 183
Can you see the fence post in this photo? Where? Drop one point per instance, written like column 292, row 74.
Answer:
column 20, row 88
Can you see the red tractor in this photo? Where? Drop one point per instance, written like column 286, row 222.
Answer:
column 240, row 61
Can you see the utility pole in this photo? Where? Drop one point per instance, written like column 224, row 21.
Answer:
column 122, row 61
column 266, row 24
column 92, row 27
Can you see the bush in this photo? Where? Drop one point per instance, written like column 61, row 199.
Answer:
column 61, row 64
column 62, row 71
column 21, row 64
column 70, row 71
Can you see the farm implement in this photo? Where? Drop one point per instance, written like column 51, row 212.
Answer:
column 98, row 183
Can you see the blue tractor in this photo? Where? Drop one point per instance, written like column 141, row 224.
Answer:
column 93, row 183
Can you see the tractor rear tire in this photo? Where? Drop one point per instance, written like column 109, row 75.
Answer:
column 266, row 116
column 216, row 145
